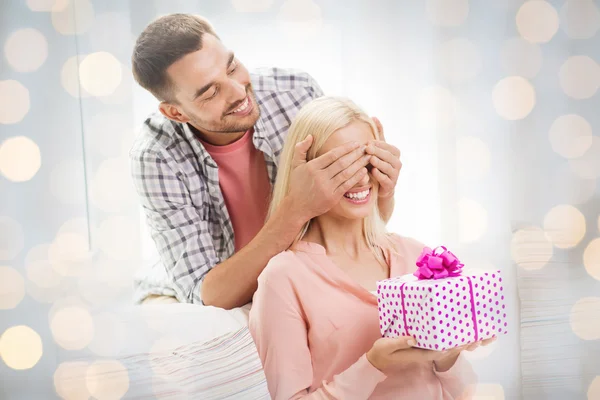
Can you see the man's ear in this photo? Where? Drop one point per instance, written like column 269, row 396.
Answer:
column 172, row 112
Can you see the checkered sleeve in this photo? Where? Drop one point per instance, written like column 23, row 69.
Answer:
column 181, row 235
column 314, row 87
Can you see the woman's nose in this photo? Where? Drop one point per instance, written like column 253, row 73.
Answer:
column 365, row 180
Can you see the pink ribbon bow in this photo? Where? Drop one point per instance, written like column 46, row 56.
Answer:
column 437, row 264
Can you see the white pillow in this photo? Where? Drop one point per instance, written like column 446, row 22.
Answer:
column 227, row 367
column 177, row 324
column 170, row 351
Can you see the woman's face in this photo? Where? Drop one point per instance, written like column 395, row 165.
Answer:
column 358, row 202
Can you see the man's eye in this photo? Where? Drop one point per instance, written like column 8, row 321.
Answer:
column 233, row 67
column 213, row 95
column 369, row 167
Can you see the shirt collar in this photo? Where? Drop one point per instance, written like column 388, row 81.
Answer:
column 205, row 158
column 309, row 247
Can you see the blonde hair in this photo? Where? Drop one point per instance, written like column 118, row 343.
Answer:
column 321, row 118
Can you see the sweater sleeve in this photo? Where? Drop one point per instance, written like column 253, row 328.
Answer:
column 458, row 380
column 280, row 333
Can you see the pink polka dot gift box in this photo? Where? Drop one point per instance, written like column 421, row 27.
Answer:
column 440, row 305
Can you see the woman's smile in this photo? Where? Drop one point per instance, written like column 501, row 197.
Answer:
column 358, row 196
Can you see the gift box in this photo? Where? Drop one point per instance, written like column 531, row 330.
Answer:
column 440, row 305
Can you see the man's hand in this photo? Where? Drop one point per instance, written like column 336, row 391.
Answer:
column 317, row 185
column 386, row 163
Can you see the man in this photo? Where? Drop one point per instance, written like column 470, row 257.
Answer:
column 205, row 163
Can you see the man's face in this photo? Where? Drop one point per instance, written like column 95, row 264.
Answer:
column 213, row 92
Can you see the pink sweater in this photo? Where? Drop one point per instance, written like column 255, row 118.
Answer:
column 313, row 325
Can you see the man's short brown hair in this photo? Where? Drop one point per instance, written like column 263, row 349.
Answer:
column 161, row 44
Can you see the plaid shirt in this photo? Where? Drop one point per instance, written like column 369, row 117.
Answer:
column 178, row 184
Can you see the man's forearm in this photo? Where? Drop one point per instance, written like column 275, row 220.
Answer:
column 386, row 207
column 233, row 282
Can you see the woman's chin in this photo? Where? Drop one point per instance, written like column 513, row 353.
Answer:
column 357, row 213
column 349, row 210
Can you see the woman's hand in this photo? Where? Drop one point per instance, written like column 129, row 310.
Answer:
column 387, row 352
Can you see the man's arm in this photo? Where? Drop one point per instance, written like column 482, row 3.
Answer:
column 315, row 187
column 180, row 231
column 245, row 266
column 386, row 207
column 185, row 244
column 233, row 282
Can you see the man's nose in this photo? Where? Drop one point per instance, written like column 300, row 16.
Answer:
column 238, row 91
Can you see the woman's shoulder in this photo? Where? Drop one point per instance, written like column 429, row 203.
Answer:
column 281, row 267
column 281, row 278
column 404, row 244
column 403, row 257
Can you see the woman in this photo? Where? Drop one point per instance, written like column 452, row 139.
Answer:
column 314, row 316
